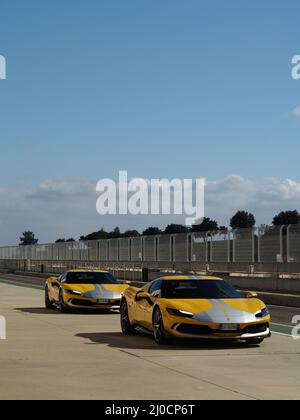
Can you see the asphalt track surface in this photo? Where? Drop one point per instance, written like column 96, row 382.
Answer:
column 48, row 355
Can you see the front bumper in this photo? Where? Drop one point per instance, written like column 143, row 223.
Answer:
column 201, row 331
column 78, row 303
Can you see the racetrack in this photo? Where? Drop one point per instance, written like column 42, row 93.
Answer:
column 280, row 314
column 48, row 355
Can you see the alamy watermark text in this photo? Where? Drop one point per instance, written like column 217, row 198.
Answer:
column 2, row 328
column 296, row 328
column 2, row 67
column 296, row 67
column 156, row 197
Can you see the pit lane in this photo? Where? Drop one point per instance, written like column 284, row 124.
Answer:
column 48, row 355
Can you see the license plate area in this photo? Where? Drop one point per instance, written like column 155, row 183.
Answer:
column 229, row 327
column 103, row 301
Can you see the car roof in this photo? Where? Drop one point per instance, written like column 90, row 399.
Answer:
column 189, row 277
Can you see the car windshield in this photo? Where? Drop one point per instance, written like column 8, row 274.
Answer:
column 90, row 278
column 198, row 289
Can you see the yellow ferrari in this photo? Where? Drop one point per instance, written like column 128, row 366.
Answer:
column 83, row 289
column 194, row 307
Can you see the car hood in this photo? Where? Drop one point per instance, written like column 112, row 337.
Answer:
column 98, row 291
column 219, row 310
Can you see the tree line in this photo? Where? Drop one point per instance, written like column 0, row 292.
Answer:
column 241, row 220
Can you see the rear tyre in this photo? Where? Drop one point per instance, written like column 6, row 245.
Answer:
column 48, row 303
column 255, row 341
column 160, row 335
column 61, row 306
column 127, row 328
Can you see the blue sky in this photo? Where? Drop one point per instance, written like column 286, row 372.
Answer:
column 163, row 88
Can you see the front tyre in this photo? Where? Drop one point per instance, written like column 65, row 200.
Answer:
column 48, row 303
column 127, row 328
column 61, row 306
column 160, row 335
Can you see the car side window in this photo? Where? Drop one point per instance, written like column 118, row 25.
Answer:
column 155, row 289
column 63, row 278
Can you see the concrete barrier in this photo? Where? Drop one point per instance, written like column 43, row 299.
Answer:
column 279, row 299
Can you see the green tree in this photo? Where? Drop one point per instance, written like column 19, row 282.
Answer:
column 116, row 233
column 131, row 234
column 28, row 238
column 291, row 217
column 150, row 231
column 94, row 236
column 207, row 225
column 242, row 220
column 173, row 228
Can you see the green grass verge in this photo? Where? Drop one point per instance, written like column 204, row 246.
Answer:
column 281, row 329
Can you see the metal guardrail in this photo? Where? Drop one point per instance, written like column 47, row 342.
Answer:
column 258, row 245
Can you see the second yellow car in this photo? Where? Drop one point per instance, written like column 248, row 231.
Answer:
column 84, row 289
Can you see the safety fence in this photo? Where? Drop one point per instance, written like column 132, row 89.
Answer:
column 258, row 245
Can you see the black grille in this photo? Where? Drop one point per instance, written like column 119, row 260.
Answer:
column 254, row 329
column 205, row 330
column 194, row 329
column 81, row 302
column 88, row 303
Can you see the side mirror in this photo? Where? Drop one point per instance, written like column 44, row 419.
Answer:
column 142, row 296
column 251, row 295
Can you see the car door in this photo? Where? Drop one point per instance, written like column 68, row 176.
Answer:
column 139, row 308
column 155, row 294
column 55, row 286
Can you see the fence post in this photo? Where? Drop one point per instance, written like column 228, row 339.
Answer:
column 211, row 247
column 228, row 246
column 253, row 245
column 281, row 242
column 258, row 246
column 118, row 249
column 189, row 247
column 108, row 250
column 141, row 250
column 288, row 244
column 206, row 246
column 233, row 245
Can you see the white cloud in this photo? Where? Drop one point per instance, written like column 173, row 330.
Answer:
column 264, row 199
column 296, row 112
column 66, row 187
column 66, row 207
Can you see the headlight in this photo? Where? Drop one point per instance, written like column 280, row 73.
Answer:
column 73, row 292
column 177, row 312
column 264, row 312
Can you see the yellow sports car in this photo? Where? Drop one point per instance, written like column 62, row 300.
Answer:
column 85, row 289
column 194, row 307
